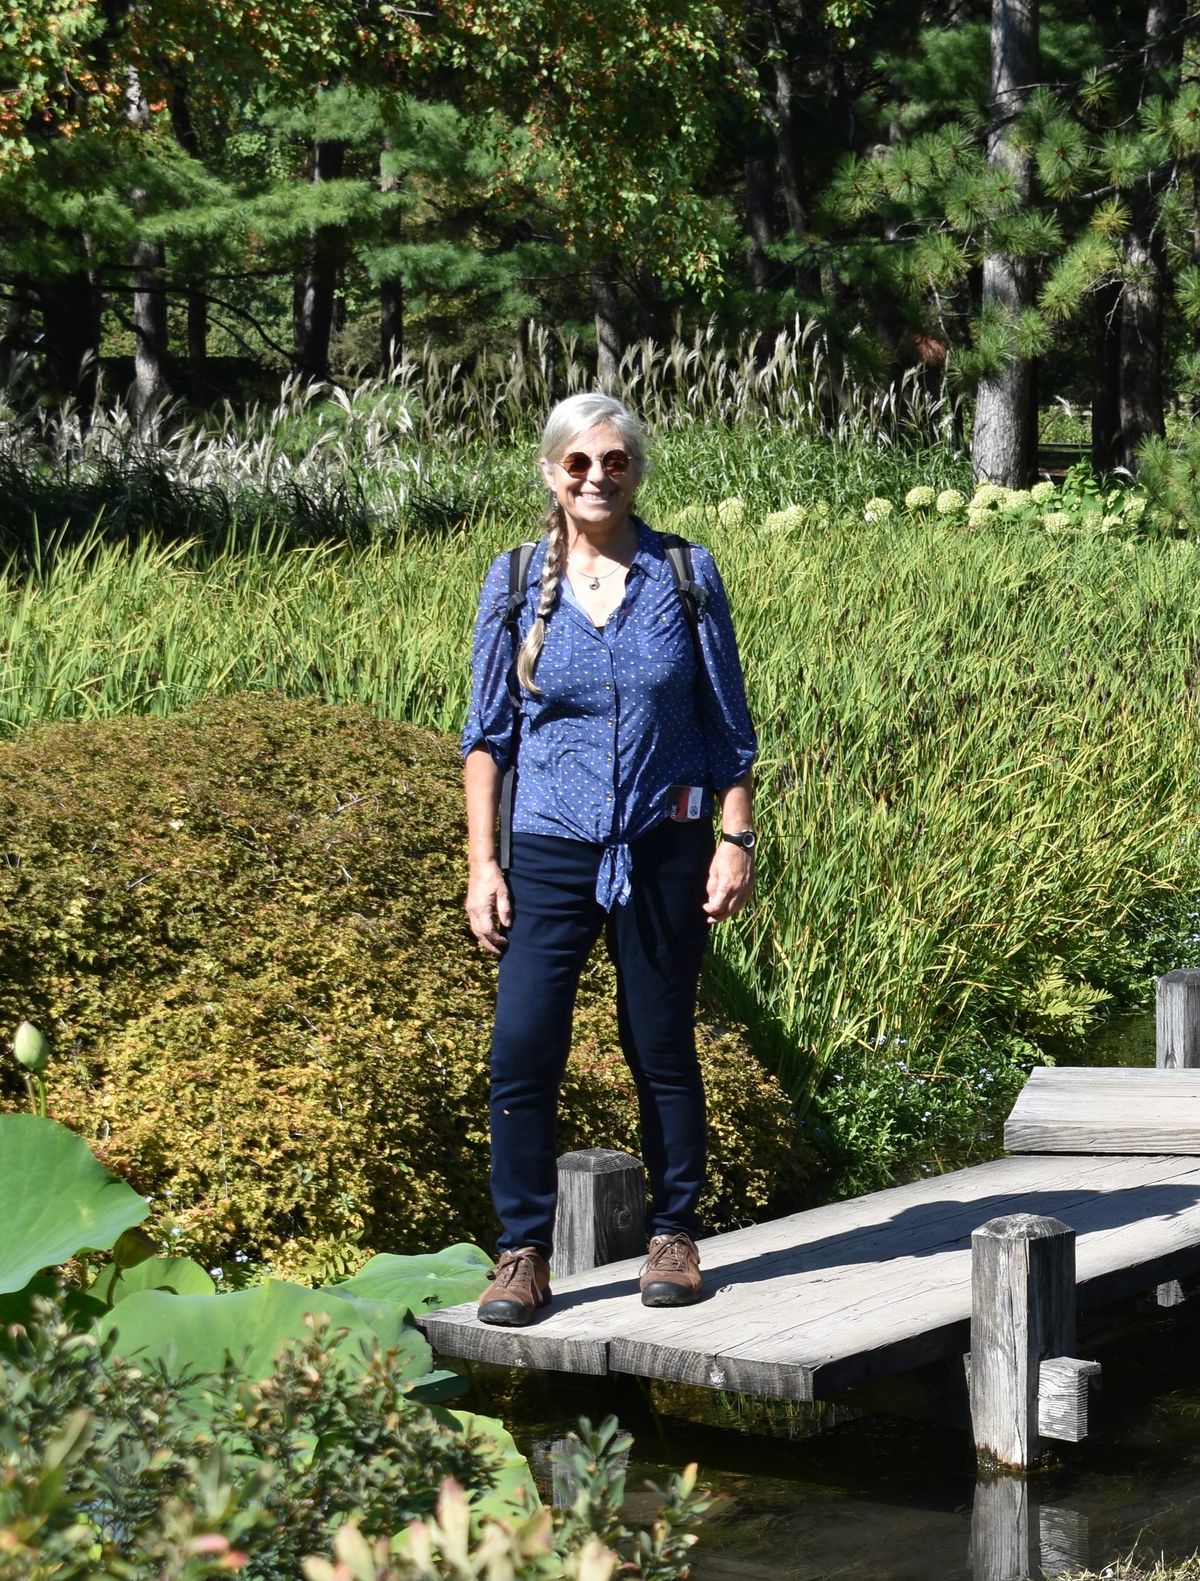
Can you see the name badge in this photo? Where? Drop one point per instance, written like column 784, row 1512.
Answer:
column 686, row 801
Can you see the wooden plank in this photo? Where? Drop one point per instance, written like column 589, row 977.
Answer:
column 1073, row 1109
column 806, row 1306
column 1068, row 1393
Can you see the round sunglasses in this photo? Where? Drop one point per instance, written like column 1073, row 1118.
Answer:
column 616, row 463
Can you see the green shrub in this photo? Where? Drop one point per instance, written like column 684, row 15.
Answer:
column 241, row 928
column 104, row 1462
column 114, row 1472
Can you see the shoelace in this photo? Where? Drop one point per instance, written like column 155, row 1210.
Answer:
column 508, row 1271
column 671, row 1252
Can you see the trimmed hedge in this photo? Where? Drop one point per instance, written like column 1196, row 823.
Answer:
column 242, row 929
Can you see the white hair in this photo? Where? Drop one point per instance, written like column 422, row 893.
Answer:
column 567, row 420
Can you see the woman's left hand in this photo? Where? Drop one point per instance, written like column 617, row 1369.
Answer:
column 730, row 881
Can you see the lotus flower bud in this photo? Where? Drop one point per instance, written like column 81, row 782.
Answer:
column 31, row 1047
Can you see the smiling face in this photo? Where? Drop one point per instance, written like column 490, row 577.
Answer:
column 598, row 503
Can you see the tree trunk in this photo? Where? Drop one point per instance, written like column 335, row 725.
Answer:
column 391, row 324
column 150, row 388
column 606, row 304
column 71, row 336
column 317, row 287
column 1145, row 268
column 1000, row 448
column 17, row 335
column 759, row 212
column 184, row 128
column 1106, row 378
column 391, row 292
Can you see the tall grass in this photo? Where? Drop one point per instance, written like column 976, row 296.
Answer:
column 323, row 464
column 978, row 778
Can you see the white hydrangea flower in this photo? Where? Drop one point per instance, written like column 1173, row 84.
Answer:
column 1135, row 506
column 1018, row 500
column 786, row 520
column 989, row 494
column 731, row 511
column 978, row 516
column 1042, row 491
column 1110, row 521
column 949, row 500
column 1055, row 521
column 919, row 498
column 877, row 509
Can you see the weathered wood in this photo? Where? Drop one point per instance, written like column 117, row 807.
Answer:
column 1012, row 1537
column 1075, row 1109
column 601, row 1210
column 1177, row 1021
column 1068, row 1396
column 806, row 1306
column 1062, row 1541
column 1000, row 1530
column 1022, row 1310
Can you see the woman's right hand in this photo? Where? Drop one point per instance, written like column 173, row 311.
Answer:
column 489, row 906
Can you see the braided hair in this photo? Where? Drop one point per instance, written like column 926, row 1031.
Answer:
column 570, row 417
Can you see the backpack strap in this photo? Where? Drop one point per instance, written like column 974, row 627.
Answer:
column 692, row 593
column 518, row 582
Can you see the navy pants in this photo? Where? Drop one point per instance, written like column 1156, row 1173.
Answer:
column 656, row 941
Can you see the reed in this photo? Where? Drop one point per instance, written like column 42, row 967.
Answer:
column 977, row 785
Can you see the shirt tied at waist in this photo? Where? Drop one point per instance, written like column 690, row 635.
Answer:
column 613, row 877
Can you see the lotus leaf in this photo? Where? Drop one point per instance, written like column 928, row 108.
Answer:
column 197, row 1332
column 58, row 1199
column 423, row 1283
column 176, row 1275
column 514, row 1493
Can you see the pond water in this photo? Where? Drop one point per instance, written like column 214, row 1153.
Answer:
column 880, row 1485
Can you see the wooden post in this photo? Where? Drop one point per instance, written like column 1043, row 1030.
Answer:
column 1177, row 1047
column 1177, row 1017
column 601, row 1210
column 1012, row 1537
column 1022, row 1312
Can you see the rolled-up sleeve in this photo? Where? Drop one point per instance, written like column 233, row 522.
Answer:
column 490, row 717
column 732, row 744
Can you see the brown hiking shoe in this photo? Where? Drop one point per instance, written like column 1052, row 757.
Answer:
column 520, row 1286
column 671, row 1272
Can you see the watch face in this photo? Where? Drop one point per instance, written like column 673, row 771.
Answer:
column 747, row 839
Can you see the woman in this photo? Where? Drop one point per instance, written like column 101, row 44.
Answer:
column 627, row 727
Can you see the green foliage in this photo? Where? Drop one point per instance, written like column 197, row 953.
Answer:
column 245, row 922
column 116, row 1471
column 59, row 1200
column 197, row 1333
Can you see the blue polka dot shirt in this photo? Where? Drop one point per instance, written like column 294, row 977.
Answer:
column 625, row 711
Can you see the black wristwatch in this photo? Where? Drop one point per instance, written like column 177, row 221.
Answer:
column 746, row 838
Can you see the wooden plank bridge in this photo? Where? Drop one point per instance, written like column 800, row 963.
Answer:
column 1099, row 1199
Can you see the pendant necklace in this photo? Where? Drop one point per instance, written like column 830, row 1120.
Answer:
column 594, row 578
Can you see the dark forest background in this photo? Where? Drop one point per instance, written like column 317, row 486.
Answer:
column 1001, row 203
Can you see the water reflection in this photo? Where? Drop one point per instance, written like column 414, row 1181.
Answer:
column 880, row 1485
